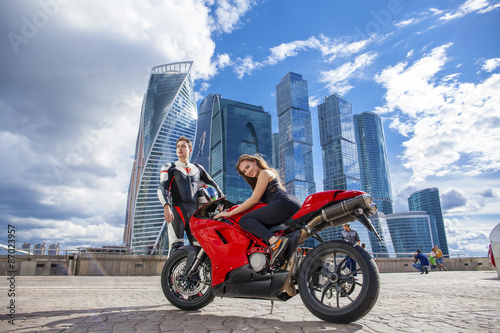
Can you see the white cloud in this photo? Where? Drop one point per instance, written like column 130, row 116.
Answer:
column 330, row 50
column 337, row 80
column 246, row 66
column 285, row 50
column 407, row 22
column 228, row 13
column 451, row 126
column 466, row 238
column 70, row 234
column 471, row 6
column 314, row 101
column 179, row 30
column 491, row 64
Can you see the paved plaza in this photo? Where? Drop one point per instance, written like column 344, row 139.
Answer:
column 408, row 302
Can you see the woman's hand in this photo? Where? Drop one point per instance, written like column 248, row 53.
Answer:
column 222, row 214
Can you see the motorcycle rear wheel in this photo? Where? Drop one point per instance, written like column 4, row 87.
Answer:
column 339, row 282
column 187, row 292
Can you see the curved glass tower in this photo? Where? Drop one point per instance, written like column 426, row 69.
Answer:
column 168, row 112
column 373, row 161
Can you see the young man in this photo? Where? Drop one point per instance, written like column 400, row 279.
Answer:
column 178, row 192
column 352, row 236
column 424, row 264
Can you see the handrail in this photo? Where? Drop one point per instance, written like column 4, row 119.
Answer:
column 410, row 255
column 132, row 251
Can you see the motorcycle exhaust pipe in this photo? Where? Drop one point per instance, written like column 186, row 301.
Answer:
column 339, row 214
column 347, row 207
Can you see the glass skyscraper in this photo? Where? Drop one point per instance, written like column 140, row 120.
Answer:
column 373, row 162
column 201, row 148
column 340, row 156
column 428, row 200
column 338, row 144
column 236, row 128
column 295, row 136
column 411, row 231
column 168, row 112
column 386, row 247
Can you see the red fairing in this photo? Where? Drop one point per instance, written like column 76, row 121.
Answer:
column 318, row 200
column 226, row 244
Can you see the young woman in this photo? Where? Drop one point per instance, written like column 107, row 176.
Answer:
column 266, row 188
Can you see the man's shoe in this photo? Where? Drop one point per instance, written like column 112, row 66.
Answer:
column 426, row 272
column 422, row 271
column 277, row 249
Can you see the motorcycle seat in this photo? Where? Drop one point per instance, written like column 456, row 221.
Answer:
column 283, row 225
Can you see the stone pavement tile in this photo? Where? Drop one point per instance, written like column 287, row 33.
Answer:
column 149, row 326
column 169, row 327
column 443, row 302
column 101, row 327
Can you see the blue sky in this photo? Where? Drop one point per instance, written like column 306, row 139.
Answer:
column 73, row 74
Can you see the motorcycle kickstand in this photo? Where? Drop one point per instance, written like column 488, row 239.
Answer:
column 272, row 307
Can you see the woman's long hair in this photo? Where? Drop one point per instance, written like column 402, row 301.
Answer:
column 262, row 164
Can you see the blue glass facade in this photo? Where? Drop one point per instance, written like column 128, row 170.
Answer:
column 373, row 161
column 295, row 136
column 428, row 200
column 386, row 247
column 338, row 145
column 340, row 156
column 411, row 231
column 276, row 151
column 237, row 128
column 168, row 112
column 201, row 148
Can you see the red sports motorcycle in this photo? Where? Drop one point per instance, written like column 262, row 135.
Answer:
column 338, row 281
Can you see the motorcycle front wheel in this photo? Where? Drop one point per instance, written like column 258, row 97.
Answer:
column 339, row 282
column 187, row 292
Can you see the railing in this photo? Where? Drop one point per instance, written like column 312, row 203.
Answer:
column 410, row 255
column 64, row 252
column 130, row 251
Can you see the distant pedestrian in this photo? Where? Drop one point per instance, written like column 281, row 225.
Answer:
column 439, row 259
column 352, row 236
column 423, row 266
column 432, row 260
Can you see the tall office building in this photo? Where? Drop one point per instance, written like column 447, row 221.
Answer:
column 295, row 136
column 276, row 151
column 40, row 249
column 168, row 112
column 340, row 155
column 373, row 162
column 428, row 200
column 54, row 249
column 201, row 148
column 236, row 128
column 411, row 231
column 386, row 247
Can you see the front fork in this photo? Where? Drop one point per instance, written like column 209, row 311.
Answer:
column 195, row 255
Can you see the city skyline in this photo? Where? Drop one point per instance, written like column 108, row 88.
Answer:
column 73, row 76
